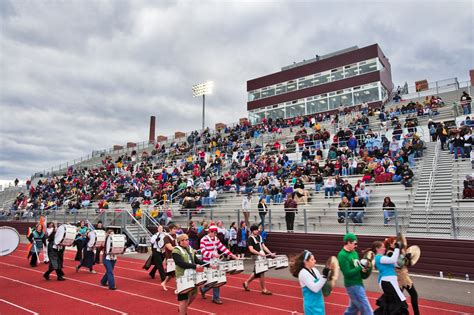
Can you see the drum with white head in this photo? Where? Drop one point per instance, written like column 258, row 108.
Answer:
column 9, row 240
column 186, row 283
column 65, row 235
column 221, row 279
column 170, row 265
column 200, row 278
column 115, row 244
column 261, row 266
column 282, row 261
column 238, row 267
column 212, row 276
column 96, row 238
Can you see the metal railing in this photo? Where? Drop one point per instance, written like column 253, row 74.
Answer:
column 434, row 168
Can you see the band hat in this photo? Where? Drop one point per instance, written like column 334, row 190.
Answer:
column 350, row 237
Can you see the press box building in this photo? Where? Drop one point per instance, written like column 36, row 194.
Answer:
column 348, row 77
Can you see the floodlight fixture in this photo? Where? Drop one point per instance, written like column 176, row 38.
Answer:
column 203, row 89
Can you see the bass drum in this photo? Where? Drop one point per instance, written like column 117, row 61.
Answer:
column 65, row 235
column 9, row 240
column 96, row 238
column 115, row 244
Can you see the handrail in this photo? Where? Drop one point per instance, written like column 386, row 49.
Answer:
column 434, row 168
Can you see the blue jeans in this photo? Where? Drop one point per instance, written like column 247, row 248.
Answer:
column 329, row 191
column 317, row 187
column 344, row 171
column 215, row 292
column 356, row 216
column 456, row 154
column 109, row 273
column 358, row 301
column 386, row 215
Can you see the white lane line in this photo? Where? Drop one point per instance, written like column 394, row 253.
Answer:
column 96, row 285
column 63, row 295
column 20, row 307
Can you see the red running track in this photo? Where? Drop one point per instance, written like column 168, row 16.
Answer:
column 25, row 291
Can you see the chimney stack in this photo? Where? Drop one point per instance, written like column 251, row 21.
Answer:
column 151, row 137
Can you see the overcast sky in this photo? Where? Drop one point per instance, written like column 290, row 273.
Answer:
column 78, row 76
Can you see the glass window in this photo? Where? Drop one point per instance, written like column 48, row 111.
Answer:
column 295, row 110
column 256, row 117
column 254, row 95
column 324, row 78
column 335, row 101
column 281, row 88
column 368, row 95
column 276, row 113
column 367, row 66
column 316, row 106
column 268, row 92
column 305, row 83
column 291, row 86
column 336, row 74
column 350, row 71
column 346, row 99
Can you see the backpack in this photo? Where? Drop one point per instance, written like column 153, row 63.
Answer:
column 432, row 130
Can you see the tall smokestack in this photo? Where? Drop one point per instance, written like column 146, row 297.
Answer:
column 151, row 137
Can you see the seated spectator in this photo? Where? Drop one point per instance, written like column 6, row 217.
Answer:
column 358, row 210
column 388, row 210
column 468, row 191
column 329, row 187
column 363, row 193
column 301, row 195
column 318, row 182
column 343, row 209
column 407, row 176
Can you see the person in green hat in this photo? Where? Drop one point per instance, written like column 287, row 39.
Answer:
column 349, row 263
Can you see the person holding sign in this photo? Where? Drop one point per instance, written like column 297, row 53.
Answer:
column 259, row 249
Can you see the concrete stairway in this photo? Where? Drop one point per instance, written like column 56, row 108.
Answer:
column 434, row 221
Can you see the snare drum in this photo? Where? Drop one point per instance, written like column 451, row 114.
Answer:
column 238, row 266
column 200, row 278
column 186, row 283
column 170, row 265
column 281, row 262
column 212, row 275
column 10, row 240
column 115, row 244
column 271, row 262
column 221, row 279
column 96, row 238
column 65, row 235
column 223, row 265
column 260, row 266
column 231, row 266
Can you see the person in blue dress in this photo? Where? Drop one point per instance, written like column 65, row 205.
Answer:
column 311, row 282
column 392, row 301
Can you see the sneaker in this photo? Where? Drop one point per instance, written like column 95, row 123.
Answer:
column 93, row 271
column 114, row 288
column 46, row 277
column 61, row 279
column 340, row 220
column 217, row 301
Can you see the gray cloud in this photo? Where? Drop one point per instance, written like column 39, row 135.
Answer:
column 84, row 75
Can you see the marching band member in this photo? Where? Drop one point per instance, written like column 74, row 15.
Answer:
column 50, row 229
column 109, row 261
column 80, row 239
column 88, row 256
column 210, row 247
column 37, row 239
column 157, row 241
column 311, row 282
column 55, row 254
column 404, row 280
column 185, row 258
column 258, row 248
column 348, row 258
column 169, row 244
column 392, row 301
column 100, row 226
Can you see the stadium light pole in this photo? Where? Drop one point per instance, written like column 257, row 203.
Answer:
column 203, row 89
